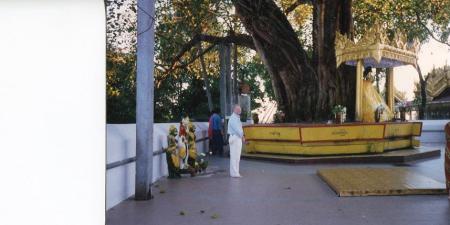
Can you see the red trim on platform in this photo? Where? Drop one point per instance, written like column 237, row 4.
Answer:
column 300, row 134
column 420, row 133
column 447, row 157
column 273, row 140
column 346, row 140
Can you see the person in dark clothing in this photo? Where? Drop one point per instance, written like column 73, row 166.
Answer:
column 217, row 134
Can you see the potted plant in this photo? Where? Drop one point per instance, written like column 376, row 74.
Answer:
column 339, row 113
column 201, row 162
column 255, row 118
column 279, row 117
column 379, row 112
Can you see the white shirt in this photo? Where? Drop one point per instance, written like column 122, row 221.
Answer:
column 235, row 125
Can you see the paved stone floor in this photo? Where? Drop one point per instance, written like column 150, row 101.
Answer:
column 279, row 194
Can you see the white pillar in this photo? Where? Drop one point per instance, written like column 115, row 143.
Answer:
column 144, row 99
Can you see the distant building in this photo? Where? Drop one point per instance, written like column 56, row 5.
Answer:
column 438, row 91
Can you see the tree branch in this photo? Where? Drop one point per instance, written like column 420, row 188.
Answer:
column 239, row 39
column 182, row 65
column 295, row 5
column 178, row 65
column 429, row 31
column 419, row 71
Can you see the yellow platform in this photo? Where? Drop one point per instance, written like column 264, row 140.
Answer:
column 334, row 139
column 379, row 181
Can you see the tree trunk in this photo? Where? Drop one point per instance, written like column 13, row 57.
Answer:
column 235, row 74
column 336, row 85
column 306, row 89
column 423, row 92
column 205, row 78
column 292, row 74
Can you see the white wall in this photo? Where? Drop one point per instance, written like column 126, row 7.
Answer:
column 433, row 131
column 52, row 112
column 121, row 144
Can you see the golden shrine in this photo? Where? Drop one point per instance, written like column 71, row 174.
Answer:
column 365, row 135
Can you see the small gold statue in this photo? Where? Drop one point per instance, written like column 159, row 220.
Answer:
column 172, row 154
column 191, row 144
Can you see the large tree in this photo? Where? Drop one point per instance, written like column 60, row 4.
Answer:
column 306, row 87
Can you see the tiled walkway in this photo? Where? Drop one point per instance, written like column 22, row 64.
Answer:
column 272, row 193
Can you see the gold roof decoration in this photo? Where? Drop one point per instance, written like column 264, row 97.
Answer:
column 376, row 49
column 438, row 82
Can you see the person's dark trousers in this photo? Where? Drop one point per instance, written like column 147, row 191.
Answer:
column 217, row 142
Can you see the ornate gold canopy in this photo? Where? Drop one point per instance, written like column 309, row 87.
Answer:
column 376, row 49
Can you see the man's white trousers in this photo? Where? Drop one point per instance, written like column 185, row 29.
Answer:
column 235, row 154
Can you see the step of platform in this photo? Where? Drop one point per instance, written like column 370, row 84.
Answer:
column 397, row 156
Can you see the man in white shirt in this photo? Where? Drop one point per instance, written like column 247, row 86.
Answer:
column 235, row 140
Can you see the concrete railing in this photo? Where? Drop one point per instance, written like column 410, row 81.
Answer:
column 120, row 157
column 447, row 158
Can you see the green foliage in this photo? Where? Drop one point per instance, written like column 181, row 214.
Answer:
column 279, row 117
column 420, row 19
column 339, row 109
column 120, row 88
column 256, row 76
column 180, row 90
column 244, row 116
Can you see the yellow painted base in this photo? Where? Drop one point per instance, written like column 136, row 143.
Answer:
column 334, row 139
column 328, row 148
